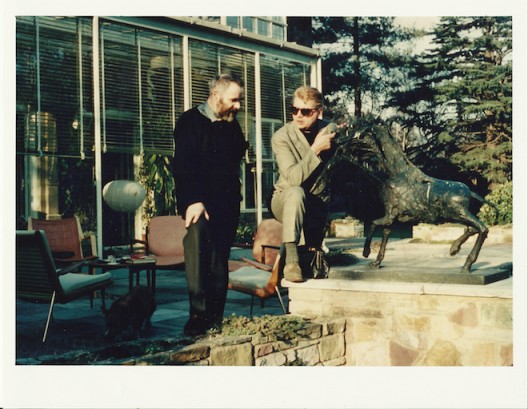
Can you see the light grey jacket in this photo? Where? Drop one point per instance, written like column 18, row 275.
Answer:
column 296, row 161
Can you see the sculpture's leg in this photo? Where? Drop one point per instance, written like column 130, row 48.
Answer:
column 455, row 246
column 368, row 239
column 381, row 253
column 482, row 230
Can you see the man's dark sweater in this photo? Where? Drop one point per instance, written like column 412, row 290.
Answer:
column 207, row 163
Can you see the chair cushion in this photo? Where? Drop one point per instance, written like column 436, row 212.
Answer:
column 167, row 261
column 250, row 277
column 233, row 265
column 74, row 281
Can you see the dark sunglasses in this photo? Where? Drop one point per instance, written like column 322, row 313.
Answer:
column 304, row 111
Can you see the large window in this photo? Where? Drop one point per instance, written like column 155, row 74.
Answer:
column 208, row 60
column 142, row 92
column 142, row 89
column 54, row 86
column 267, row 26
column 54, row 118
column 279, row 79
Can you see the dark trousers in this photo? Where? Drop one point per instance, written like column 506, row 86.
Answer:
column 206, row 249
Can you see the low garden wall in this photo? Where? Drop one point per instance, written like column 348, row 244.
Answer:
column 321, row 343
column 394, row 324
column 318, row 342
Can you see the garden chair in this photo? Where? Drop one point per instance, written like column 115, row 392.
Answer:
column 266, row 243
column 164, row 240
column 260, row 277
column 65, row 238
column 39, row 280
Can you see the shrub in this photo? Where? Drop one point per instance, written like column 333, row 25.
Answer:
column 244, row 233
column 502, row 197
column 276, row 327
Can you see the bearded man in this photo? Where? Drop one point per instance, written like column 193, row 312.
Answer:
column 209, row 146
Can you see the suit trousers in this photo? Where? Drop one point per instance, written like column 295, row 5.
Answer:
column 303, row 216
column 207, row 246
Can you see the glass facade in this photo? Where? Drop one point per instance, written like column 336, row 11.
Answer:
column 268, row 26
column 150, row 71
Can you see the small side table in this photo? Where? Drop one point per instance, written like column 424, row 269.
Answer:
column 133, row 268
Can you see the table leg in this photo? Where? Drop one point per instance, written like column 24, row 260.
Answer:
column 153, row 282
column 130, row 278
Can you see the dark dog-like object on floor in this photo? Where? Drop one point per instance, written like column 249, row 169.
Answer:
column 129, row 313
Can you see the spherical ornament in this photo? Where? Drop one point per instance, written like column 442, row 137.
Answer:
column 123, row 195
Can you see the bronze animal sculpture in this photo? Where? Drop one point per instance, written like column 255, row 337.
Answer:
column 408, row 195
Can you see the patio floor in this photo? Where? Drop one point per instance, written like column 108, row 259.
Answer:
column 77, row 327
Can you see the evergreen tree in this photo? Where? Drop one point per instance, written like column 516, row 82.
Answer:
column 361, row 63
column 461, row 98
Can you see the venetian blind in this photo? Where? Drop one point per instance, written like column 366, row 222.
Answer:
column 162, row 90
column 54, row 88
column 142, row 88
column 208, row 60
column 279, row 79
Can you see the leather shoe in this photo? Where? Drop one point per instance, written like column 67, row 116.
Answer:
column 293, row 273
column 195, row 326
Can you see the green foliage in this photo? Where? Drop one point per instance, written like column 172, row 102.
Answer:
column 361, row 63
column 77, row 197
column 156, row 177
column 445, row 137
column 276, row 327
column 463, row 88
column 502, row 197
column 245, row 232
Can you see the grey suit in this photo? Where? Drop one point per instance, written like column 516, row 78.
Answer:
column 296, row 200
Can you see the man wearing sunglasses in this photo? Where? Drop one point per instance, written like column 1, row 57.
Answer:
column 302, row 147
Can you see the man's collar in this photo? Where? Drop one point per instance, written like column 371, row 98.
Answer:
column 206, row 110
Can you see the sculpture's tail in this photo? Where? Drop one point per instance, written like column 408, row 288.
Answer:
column 478, row 197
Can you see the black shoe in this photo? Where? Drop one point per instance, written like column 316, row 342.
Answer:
column 215, row 324
column 195, row 326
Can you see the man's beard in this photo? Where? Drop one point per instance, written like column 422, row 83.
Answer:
column 228, row 115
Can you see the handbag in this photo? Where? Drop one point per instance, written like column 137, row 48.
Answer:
column 319, row 265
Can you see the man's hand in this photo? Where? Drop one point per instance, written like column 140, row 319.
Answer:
column 194, row 212
column 323, row 141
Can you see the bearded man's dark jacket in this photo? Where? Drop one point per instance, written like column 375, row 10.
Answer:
column 207, row 164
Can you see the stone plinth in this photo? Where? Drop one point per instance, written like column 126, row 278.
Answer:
column 347, row 228
column 395, row 323
column 410, row 262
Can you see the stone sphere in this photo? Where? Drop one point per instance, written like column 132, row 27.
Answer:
column 123, row 195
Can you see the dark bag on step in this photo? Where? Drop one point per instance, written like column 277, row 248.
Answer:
column 319, row 265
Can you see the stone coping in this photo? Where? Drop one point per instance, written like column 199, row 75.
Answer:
column 429, row 259
column 499, row 289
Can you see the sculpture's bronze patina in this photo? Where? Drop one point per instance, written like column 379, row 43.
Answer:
column 407, row 194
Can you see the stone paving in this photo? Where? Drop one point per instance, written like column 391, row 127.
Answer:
column 77, row 327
